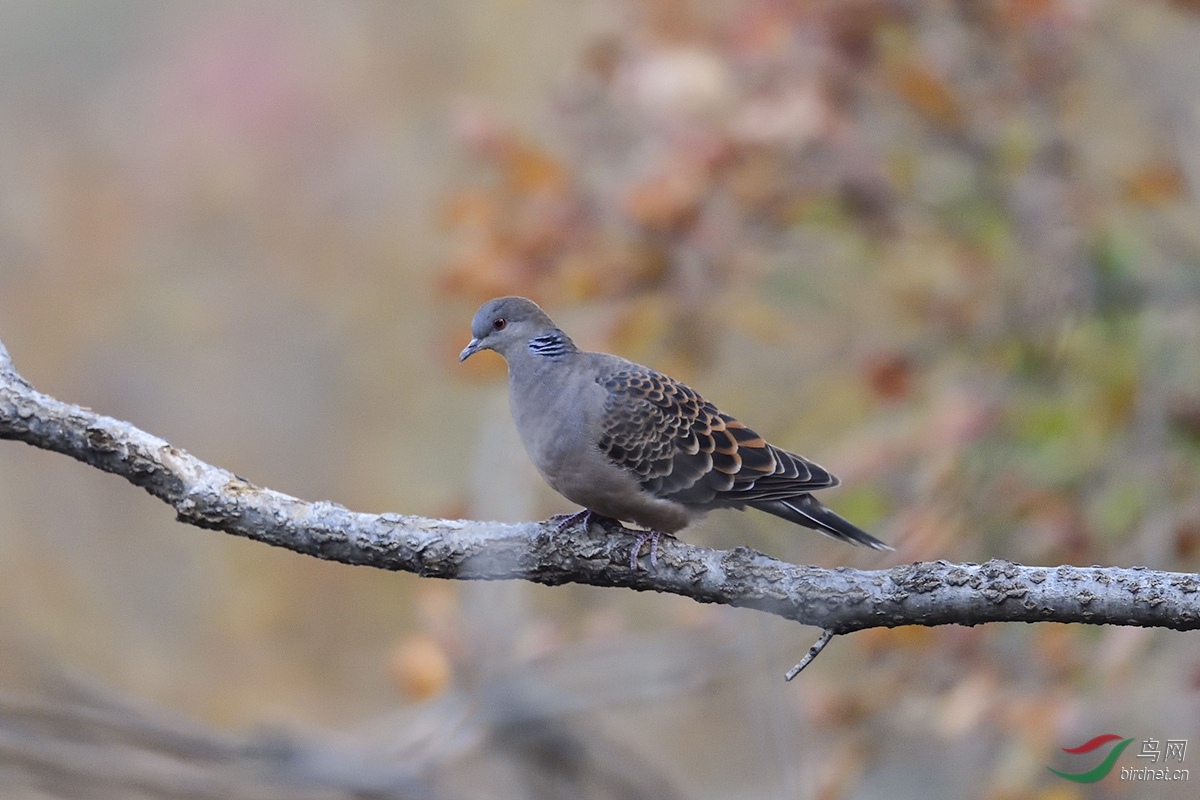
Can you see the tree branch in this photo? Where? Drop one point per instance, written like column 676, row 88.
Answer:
column 837, row 600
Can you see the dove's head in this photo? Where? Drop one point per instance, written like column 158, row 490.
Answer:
column 506, row 324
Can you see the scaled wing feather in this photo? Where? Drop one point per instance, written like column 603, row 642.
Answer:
column 681, row 447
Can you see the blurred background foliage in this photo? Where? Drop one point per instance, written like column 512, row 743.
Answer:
column 951, row 250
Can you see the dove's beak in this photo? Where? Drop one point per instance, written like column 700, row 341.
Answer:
column 471, row 348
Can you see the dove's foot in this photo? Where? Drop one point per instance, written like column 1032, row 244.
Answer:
column 587, row 517
column 652, row 537
column 567, row 520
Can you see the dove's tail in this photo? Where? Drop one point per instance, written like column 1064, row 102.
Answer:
column 808, row 511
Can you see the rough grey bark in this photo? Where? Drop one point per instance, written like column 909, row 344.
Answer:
column 837, row 600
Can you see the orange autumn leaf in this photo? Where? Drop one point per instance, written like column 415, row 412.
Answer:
column 667, row 202
column 1022, row 13
column 929, row 94
column 889, row 375
column 529, row 169
column 419, row 667
column 1186, row 538
column 1154, row 184
column 475, row 207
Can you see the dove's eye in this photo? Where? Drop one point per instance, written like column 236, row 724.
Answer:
column 498, row 323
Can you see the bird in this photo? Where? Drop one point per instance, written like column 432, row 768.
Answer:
column 631, row 444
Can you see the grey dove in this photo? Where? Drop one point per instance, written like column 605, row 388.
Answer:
column 631, row 444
